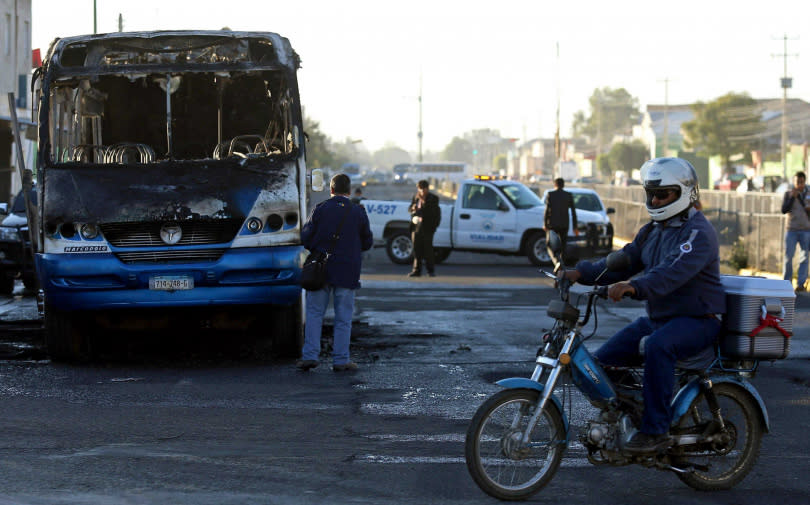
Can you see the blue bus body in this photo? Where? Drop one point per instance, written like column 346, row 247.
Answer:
column 171, row 174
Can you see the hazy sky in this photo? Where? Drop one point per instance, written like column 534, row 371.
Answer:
column 486, row 64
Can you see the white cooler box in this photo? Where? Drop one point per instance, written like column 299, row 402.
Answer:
column 745, row 299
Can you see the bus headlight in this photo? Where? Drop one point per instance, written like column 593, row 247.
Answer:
column 254, row 225
column 89, row 231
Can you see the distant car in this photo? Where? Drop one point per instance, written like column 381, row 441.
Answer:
column 729, row 182
column 16, row 260
column 587, row 180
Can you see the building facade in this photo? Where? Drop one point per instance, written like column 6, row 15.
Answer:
column 15, row 77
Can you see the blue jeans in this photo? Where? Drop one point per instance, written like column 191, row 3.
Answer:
column 793, row 237
column 667, row 342
column 317, row 301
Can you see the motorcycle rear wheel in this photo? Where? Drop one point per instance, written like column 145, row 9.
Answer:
column 728, row 461
column 496, row 459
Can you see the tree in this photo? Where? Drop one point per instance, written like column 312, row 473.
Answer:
column 725, row 127
column 499, row 163
column 612, row 112
column 626, row 156
column 391, row 155
column 458, row 150
column 320, row 153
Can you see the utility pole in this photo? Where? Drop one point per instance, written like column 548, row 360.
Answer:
column 665, row 150
column 95, row 18
column 786, row 82
column 419, row 133
column 557, row 142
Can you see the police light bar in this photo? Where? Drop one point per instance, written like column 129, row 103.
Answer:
column 488, row 177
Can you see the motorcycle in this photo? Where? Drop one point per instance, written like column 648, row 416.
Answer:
column 517, row 437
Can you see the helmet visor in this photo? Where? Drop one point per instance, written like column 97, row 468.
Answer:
column 661, row 194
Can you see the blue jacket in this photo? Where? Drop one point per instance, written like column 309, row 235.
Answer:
column 679, row 264
column 343, row 267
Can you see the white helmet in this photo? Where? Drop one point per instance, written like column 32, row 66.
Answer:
column 670, row 173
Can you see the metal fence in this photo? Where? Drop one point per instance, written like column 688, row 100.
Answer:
column 750, row 226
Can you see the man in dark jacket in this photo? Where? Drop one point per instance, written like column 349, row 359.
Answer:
column 796, row 204
column 425, row 218
column 558, row 204
column 335, row 217
column 675, row 267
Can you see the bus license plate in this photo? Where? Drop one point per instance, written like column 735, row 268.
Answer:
column 171, row 282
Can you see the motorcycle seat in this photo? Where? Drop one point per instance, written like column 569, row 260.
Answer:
column 700, row 361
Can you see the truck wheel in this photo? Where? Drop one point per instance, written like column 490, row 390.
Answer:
column 440, row 254
column 400, row 248
column 64, row 339
column 6, row 285
column 536, row 250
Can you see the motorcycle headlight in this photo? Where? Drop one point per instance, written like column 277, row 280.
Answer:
column 8, row 234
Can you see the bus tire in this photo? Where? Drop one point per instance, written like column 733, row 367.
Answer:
column 64, row 338
column 288, row 331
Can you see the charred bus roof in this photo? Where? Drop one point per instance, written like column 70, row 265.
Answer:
column 127, row 52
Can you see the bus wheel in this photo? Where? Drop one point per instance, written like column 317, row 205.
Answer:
column 63, row 337
column 288, row 331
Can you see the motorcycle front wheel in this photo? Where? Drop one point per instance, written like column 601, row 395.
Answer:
column 729, row 453
column 498, row 460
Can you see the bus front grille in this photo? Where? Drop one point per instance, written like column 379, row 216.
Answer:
column 147, row 234
column 171, row 256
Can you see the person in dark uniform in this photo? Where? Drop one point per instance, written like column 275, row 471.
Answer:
column 425, row 218
column 558, row 203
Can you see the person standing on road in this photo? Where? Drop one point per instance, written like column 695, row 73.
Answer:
column 358, row 196
column 675, row 267
column 425, row 218
column 558, row 203
column 796, row 205
column 337, row 215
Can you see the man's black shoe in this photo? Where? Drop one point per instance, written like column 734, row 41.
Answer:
column 414, row 274
column 431, row 274
column 643, row 443
column 305, row 364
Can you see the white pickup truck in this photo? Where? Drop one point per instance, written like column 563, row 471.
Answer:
column 494, row 216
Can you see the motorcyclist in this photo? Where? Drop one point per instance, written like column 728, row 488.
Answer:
column 676, row 257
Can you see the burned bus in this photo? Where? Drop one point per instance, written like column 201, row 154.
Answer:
column 172, row 186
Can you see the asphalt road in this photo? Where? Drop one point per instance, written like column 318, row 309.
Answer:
column 201, row 422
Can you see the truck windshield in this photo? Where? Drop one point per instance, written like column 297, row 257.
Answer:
column 521, row 196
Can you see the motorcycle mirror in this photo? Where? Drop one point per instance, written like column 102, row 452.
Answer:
column 617, row 260
column 554, row 242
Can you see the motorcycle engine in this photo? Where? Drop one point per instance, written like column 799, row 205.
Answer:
column 609, row 436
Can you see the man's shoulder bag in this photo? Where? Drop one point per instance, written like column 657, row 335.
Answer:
column 313, row 273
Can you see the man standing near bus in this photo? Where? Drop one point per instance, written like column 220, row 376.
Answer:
column 425, row 218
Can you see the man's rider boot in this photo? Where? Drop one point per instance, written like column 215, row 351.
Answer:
column 644, row 443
